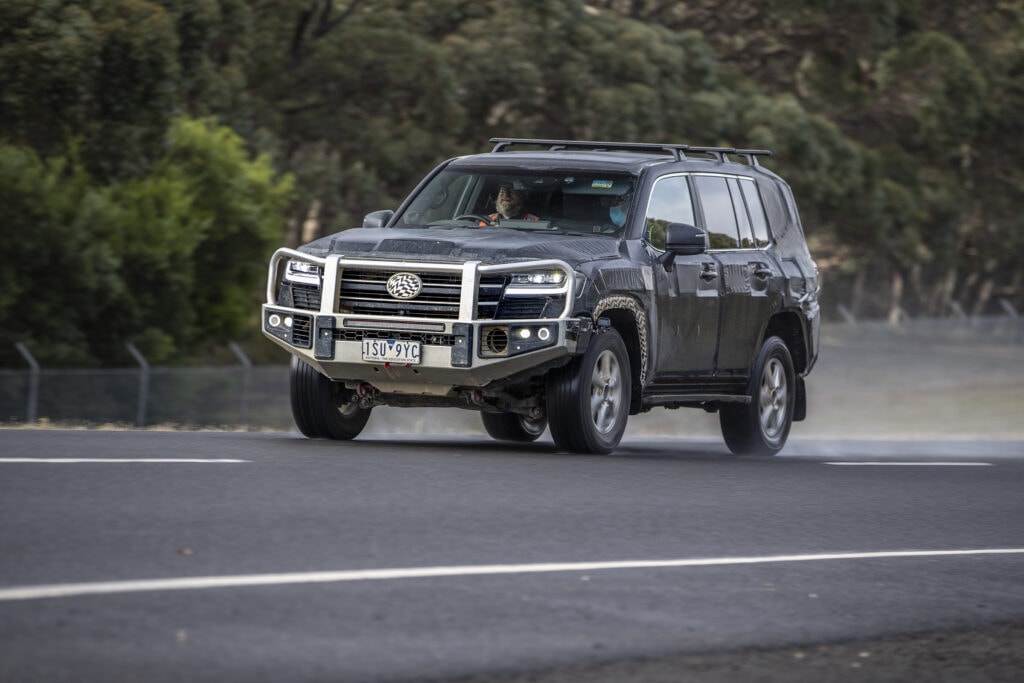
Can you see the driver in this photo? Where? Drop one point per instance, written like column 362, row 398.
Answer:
column 510, row 203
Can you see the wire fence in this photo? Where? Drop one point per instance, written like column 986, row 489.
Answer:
column 919, row 359
column 233, row 396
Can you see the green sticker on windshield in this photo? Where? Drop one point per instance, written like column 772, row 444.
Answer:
column 602, row 184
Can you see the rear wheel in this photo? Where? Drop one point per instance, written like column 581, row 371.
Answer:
column 315, row 407
column 588, row 399
column 513, row 427
column 761, row 426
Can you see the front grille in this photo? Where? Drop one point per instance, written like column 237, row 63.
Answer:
column 427, row 338
column 306, row 297
column 512, row 309
column 364, row 292
column 489, row 295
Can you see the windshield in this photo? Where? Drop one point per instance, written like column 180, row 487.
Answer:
column 559, row 202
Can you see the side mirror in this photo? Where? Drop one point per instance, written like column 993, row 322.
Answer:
column 683, row 240
column 378, row 219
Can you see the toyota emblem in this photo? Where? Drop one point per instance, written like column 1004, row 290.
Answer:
column 404, row 285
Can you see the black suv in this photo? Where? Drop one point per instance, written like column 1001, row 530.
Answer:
column 561, row 284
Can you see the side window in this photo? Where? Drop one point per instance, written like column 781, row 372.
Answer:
column 719, row 216
column 756, row 209
column 740, row 209
column 670, row 203
column 774, row 206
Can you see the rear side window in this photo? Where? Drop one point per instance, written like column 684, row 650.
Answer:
column 756, row 212
column 774, row 206
column 719, row 215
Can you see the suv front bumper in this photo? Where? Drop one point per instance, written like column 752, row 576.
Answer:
column 455, row 349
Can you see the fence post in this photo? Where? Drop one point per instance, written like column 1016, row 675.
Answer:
column 246, row 380
column 140, row 413
column 33, row 383
column 1014, row 315
column 1010, row 309
column 847, row 314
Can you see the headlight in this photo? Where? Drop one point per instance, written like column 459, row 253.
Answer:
column 303, row 271
column 539, row 278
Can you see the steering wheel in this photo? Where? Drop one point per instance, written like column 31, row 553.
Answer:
column 486, row 220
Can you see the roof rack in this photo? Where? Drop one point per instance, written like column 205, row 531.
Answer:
column 677, row 151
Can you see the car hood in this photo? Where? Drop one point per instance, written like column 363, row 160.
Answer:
column 490, row 245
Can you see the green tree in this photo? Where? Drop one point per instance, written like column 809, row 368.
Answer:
column 55, row 275
column 94, row 72
column 173, row 261
column 356, row 103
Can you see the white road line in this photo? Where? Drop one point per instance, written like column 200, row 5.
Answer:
column 939, row 463
column 68, row 461
column 192, row 583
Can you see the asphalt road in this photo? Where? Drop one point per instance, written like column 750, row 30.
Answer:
column 171, row 556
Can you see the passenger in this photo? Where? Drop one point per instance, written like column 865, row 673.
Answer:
column 510, row 204
column 618, row 207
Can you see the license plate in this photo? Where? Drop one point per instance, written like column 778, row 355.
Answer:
column 391, row 351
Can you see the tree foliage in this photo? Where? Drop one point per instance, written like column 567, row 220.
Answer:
column 166, row 261
column 145, row 142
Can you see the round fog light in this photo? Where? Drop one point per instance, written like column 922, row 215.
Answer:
column 543, row 334
column 288, row 321
column 524, row 333
column 274, row 320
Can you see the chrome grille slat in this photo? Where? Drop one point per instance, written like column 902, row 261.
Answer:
column 420, row 299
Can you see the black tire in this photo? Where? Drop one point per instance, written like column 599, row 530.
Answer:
column 315, row 408
column 513, row 427
column 588, row 399
column 761, row 427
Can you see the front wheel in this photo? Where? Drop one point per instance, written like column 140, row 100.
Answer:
column 761, row 426
column 513, row 427
column 316, row 409
column 588, row 399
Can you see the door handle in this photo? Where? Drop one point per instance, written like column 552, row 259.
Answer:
column 708, row 272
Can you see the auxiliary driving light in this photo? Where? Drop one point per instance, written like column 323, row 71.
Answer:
column 274, row 320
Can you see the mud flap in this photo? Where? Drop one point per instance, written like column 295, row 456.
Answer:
column 800, row 406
